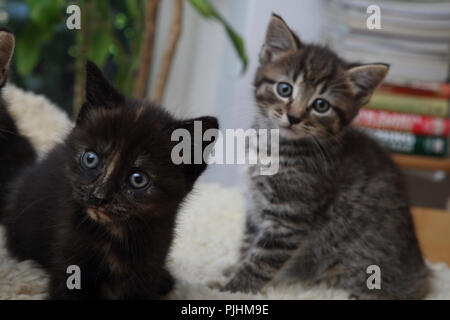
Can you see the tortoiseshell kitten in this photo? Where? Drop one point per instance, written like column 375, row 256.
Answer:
column 16, row 151
column 337, row 204
column 105, row 199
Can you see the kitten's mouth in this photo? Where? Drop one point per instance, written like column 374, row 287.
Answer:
column 293, row 132
column 99, row 215
column 289, row 128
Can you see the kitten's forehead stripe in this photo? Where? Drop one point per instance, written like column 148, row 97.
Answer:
column 324, row 88
column 139, row 112
column 264, row 80
column 299, row 69
column 112, row 165
column 324, row 77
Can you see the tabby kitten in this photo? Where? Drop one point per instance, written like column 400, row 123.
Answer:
column 16, row 151
column 105, row 199
column 337, row 204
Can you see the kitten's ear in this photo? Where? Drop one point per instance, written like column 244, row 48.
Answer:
column 197, row 165
column 365, row 79
column 7, row 42
column 99, row 92
column 279, row 39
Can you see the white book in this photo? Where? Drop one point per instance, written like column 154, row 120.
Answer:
column 370, row 42
column 402, row 67
column 418, row 26
column 411, row 9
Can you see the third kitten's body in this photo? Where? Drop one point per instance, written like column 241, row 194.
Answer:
column 337, row 205
column 16, row 151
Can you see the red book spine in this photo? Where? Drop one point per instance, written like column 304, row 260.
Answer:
column 397, row 121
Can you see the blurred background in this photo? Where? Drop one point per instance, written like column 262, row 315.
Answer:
column 198, row 57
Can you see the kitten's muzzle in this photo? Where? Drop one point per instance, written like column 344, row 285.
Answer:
column 98, row 198
column 98, row 214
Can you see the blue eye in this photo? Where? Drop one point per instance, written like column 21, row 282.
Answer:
column 138, row 180
column 284, row 89
column 89, row 160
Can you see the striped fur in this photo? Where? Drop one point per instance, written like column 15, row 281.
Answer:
column 337, row 204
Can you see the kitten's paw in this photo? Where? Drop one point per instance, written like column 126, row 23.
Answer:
column 165, row 284
column 215, row 285
column 243, row 283
column 227, row 272
column 375, row 295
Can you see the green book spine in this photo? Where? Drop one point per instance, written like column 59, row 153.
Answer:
column 438, row 107
column 404, row 142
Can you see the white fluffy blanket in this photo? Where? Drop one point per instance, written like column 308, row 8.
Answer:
column 209, row 230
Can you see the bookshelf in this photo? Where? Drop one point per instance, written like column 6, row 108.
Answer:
column 422, row 162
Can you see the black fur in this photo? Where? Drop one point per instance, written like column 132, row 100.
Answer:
column 16, row 152
column 53, row 213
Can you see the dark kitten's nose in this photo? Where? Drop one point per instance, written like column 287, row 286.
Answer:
column 293, row 120
column 97, row 197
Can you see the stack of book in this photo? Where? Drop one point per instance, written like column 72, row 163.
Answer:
column 409, row 119
column 410, row 112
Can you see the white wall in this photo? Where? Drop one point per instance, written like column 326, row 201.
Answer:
column 206, row 77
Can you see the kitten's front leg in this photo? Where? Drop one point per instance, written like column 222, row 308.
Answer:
column 250, row 234
column 165, row 284
column 273, row 248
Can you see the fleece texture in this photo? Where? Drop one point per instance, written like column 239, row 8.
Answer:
column 209, row 229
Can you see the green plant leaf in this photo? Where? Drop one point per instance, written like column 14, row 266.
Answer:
column 133, row 8
column 46, row 13
column 205, row 8
column 238, row 44
column 99, row 48
column 27, row 56
column 28, row 47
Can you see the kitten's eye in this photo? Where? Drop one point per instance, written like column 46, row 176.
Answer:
column 321, row 105
column 284, row 89
column 89, row 160
column 138, row 180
